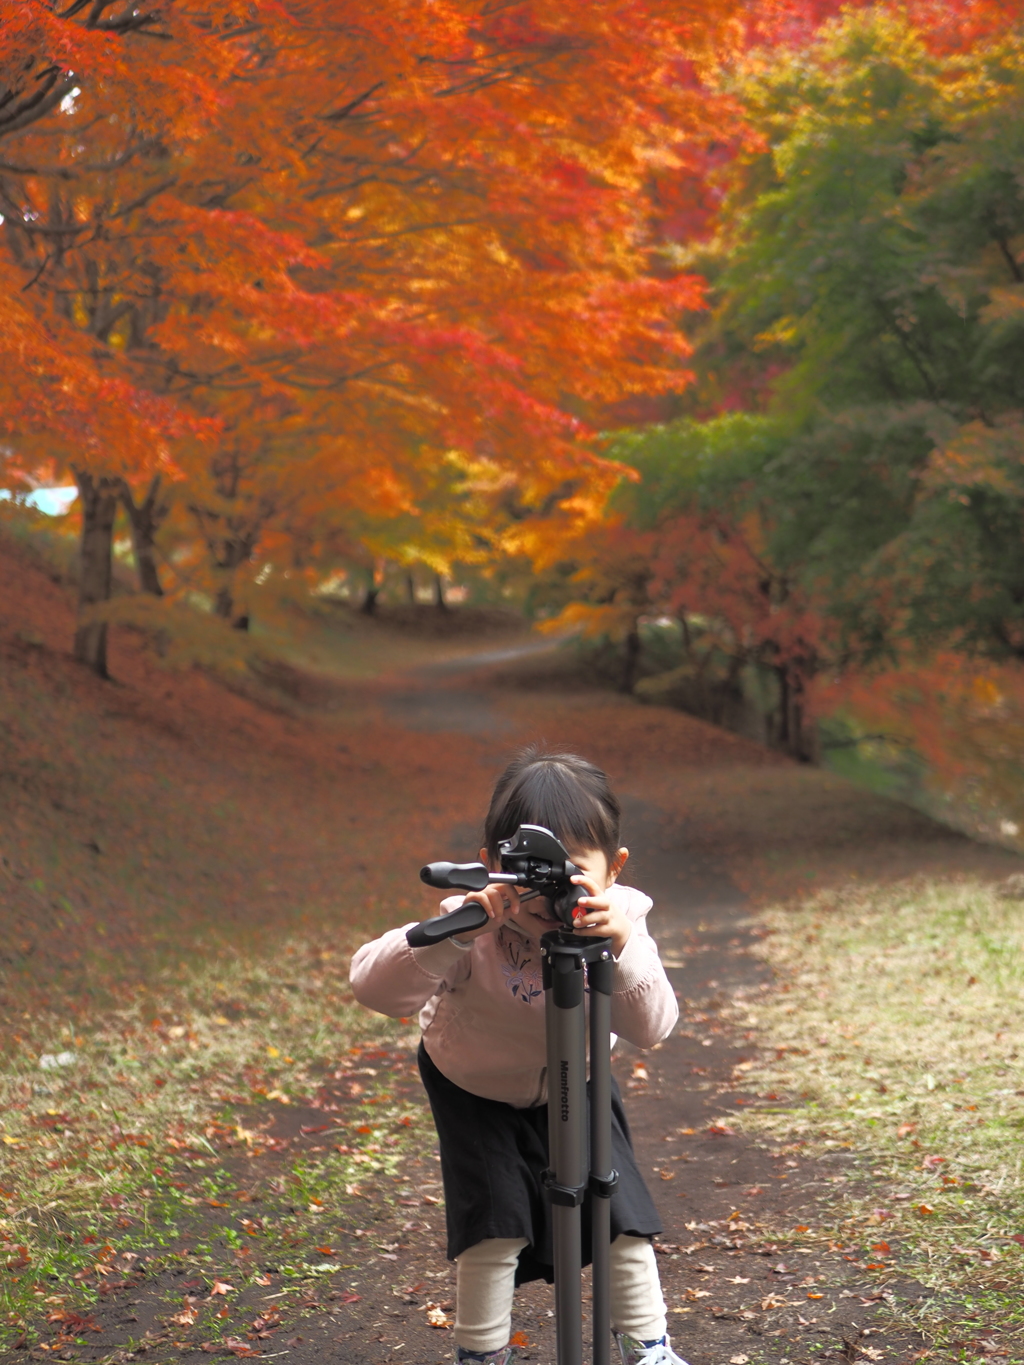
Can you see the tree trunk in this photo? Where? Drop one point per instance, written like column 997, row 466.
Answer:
column 231, row 552
column 729, row 689
column 374, row 588
column 800, row 744
column 790, row 735
column 145, row 519
column 224, row 603
column 224, row 607
column 410, row 585
column 782, row 728
column 630, row 660
column 369, row 606
column 439, row 601
column 98, row 498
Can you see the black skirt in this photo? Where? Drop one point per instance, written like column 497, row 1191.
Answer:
column 492, row 1157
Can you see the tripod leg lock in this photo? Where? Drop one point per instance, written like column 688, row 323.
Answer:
column 603, row 1185
column 569, row 1196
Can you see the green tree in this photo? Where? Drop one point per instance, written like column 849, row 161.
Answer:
column 872, row 282
column 867, row 306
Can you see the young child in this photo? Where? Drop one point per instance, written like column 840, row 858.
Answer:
column 483, row 1061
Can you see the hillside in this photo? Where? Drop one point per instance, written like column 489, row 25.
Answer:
column 160, row 815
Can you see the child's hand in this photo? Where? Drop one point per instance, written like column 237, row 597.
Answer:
column 500, row 902
column 597, row 915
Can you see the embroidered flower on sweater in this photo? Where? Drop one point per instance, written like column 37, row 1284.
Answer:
column 522, row 977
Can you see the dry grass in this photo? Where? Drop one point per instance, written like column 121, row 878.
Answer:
column 897, row 1035
column 117, row 1139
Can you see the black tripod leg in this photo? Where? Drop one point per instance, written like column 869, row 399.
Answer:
column 567, row 1106
column 602, row 1178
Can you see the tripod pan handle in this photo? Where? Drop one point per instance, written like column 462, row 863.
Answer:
column 472, row 915
column 456, row 876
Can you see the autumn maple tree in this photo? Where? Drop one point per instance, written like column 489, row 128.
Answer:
column 323, row 254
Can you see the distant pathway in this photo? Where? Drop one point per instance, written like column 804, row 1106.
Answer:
column 432, row 698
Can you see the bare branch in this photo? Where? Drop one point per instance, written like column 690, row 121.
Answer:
column 55, row 85
column 1009, row 257
column 240, row 32
column 145, row 198
column 347, row 109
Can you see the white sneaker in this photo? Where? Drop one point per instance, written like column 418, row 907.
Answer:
column 636, row 1352
column 507, row 1355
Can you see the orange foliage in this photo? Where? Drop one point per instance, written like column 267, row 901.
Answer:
column 721, row 570
column 714, row 570
column 963, row 718
column 338, row 243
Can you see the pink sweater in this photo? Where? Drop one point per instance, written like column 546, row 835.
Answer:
column 481, row 1005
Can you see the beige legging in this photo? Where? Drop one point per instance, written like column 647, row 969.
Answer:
column 486, row 1280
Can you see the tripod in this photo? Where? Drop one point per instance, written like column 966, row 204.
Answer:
column 567, row 958
column 535, row 860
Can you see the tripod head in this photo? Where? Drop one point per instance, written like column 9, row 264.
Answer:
column 533, row 859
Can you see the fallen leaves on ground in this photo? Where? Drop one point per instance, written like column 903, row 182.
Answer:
column 771, row 1301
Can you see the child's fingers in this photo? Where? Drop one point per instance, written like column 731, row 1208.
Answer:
column 506, row 899
column 486, row 900
column 497, row 900
column 595, row 918
column 590, row 916
column 510, row 899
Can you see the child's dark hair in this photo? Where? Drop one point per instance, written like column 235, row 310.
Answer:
column 562, row 792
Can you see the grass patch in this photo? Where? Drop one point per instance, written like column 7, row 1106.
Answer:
column 896, row 1031
column 145, row 1146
